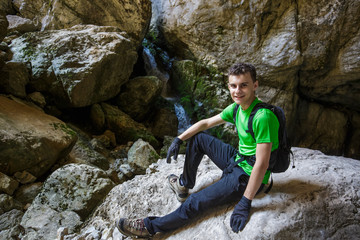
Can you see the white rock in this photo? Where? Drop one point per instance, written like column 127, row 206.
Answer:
column 67, row 198
column 319, row 199
column 71, row 63
column 141, row 155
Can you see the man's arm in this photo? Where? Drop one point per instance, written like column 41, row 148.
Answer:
column 191, row 131
column 241, row 211
column 263, row 151
column 201, row 125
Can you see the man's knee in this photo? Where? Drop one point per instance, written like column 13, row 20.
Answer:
column 196, row 141
column 202, row 138
column 197, row 136
column 191, row 207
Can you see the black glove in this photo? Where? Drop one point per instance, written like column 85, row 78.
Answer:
column 240, row 214
column 174, row 149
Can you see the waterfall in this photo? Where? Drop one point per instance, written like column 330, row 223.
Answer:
column 184, row 120
column 153, row 69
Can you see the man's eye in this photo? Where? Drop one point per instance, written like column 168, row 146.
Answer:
column 232, row 85
column 243, row 85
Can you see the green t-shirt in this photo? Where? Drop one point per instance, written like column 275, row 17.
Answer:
column 265, row 126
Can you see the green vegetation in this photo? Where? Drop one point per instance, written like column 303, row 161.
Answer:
column 63, row 127
column 153, row 42
column 203, row 93
column 220, row 30
column 200, row 85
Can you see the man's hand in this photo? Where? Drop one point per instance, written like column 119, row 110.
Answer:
column 173, row 149
column 240, row 214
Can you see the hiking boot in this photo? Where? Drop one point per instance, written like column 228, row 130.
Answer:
column 132, row 228
column 180, row 191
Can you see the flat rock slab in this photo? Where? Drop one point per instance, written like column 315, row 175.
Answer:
column 319, row 199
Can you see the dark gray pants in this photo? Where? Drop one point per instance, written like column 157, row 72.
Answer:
column 229, row 188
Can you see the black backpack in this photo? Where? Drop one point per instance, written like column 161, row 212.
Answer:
column 280, row 158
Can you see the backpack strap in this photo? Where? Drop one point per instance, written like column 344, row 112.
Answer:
column 252, row 115
column 234, row 115
column 251, row 131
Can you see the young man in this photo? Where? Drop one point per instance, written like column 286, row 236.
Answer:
column 244, row 170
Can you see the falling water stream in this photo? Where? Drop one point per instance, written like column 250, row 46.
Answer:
column 152, row 69
column 183, row 118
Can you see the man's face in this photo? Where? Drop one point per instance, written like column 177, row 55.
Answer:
column 242, row 89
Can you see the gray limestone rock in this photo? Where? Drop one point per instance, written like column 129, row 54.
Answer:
column 141, row 155
column 14, row 78
column 138, row 96
column 7, row 184
column 71, row 64
column 8, row 203
column 20, row 24
column 68, row 196
column 27, row 193
column 318, row 199
column 30, row 139
column 125, row 128
column 10, row 224
column 132, row 17
column 3, row 24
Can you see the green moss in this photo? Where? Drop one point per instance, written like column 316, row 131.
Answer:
column 63, row 127
column 154, row 156
column 198, row 84
column 220, row 30
column 153, row 42
column 29, row 52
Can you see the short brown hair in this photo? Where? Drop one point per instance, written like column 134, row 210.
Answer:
column 242, row 68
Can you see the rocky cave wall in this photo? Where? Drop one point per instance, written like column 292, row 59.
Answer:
column 306, row 54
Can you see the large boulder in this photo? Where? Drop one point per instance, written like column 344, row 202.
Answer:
column 318, row 199
column 78, row 66
column 84, row 152
column 3, row 25
column 141, row 155
column 220, row 33
column 7, row 184
column 320, row 39
column 14, row 78
column 138, row 96
column 318, row 132
column 20, row 24
column 124, row 127
column 68, row 196
column 165, row 123
column 30, row 139
column 132, row 17
column 329, row 39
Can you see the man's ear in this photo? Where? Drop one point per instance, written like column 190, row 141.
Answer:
column 228, row 83
column 256, row 84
